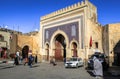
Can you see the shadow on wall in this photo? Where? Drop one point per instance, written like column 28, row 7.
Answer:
column 116, row 50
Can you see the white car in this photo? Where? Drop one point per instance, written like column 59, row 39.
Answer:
column 74, row 62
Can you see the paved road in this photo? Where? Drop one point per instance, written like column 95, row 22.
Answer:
column 42, row 71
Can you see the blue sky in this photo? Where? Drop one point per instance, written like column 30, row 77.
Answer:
column 24, row 15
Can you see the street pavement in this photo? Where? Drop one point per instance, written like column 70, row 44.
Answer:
column 45, row 71
column 42, row 71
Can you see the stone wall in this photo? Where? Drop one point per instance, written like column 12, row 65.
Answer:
column 30, row 41
column 114, row 35
column 94, row 30
column 111, row 37
column 13, row 43
column 114, row 39
column 5, row 39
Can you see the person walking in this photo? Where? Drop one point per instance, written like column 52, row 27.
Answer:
column 30, row 60
column 52, row 61
column 17, row 54
column 17, row 57
column 98, row 69
column 15, row 60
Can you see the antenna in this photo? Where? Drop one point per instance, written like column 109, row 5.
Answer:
column 18, row 29
column 3, row 25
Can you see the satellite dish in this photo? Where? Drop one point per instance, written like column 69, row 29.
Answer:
column 36, row 29
column 6, row 26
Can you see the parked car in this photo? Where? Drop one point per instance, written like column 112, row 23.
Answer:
column 102, row 59
column 74, row 62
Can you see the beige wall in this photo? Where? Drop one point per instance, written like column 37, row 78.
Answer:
column 6, row 36
column 18, row 41
column 111, row 36
column 30, row 41
column 114, row 37
column 13, row 43
column 94, row 30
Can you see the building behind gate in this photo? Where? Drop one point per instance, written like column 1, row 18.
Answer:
column 70, row 32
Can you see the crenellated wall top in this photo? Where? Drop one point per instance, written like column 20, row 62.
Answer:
column 67, row 9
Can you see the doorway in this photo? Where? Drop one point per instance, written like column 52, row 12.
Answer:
column 25, row 51
column 60, row 47
column 117, row 54
column 74, row 49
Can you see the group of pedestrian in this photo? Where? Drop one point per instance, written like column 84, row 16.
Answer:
column 26, row 60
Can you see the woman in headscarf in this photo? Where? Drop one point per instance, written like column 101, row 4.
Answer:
column 98, row 70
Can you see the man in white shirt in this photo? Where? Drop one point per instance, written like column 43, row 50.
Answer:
column 17, row 58
column 17, row 54
column 98, row 70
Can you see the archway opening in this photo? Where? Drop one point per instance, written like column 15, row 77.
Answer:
column 60, row 47
column 117, row 54
column 25, row 51
column 74, row 49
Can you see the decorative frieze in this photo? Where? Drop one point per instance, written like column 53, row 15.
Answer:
column 67, row 9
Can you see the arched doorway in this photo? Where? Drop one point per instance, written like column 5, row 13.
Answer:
column 74, row 49
column 25, row 51
column 47, row 52
column 60, row 47
column 117, row 54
